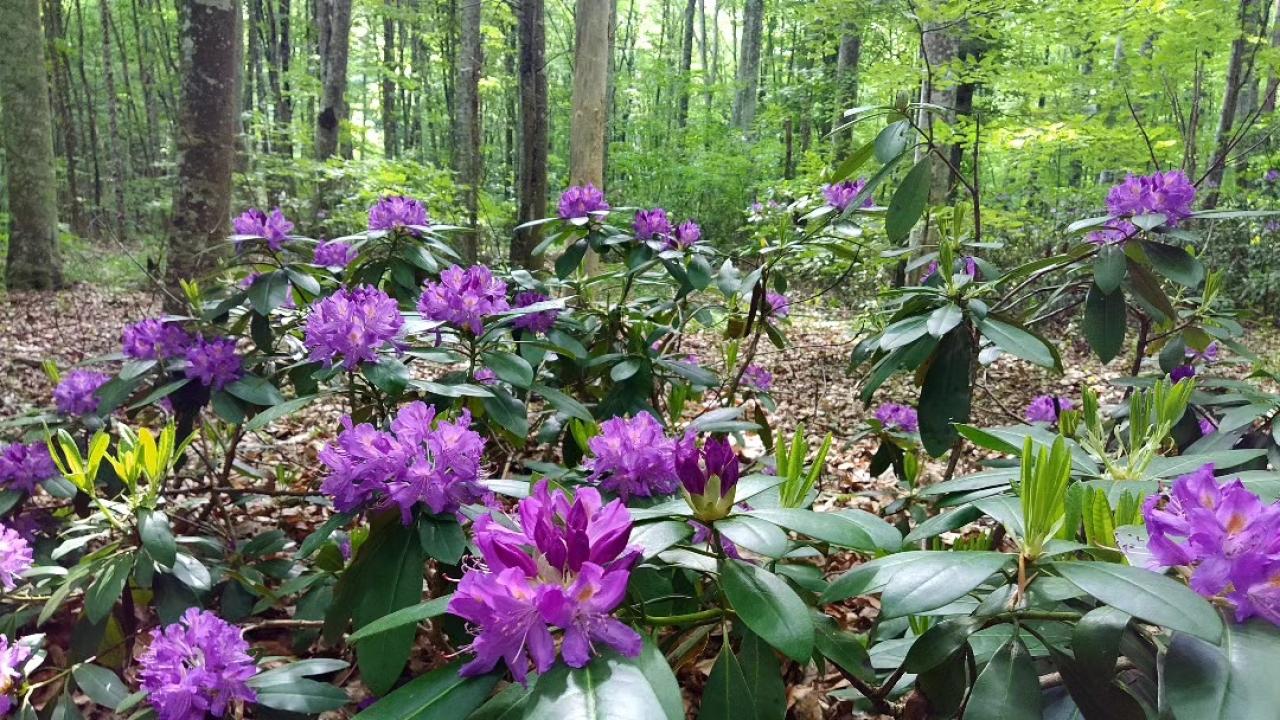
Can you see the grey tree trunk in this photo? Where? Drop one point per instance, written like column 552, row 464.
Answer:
column 744, row 102
column 686, row 64
column 116, row 150
column 333, row 20
column 61, row 82
column 847, row 58
column 208, row 119
column 1241, row 50
column 590, row 81
column 32, row 262
column 532, row 181
column 466, row 119
column 1273, row 79
column 390, row 123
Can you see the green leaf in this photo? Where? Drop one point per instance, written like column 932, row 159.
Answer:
column 388, row 375
column 313, row 541
column 442, row 538
column 275, row 412
column 769, row 607
column 904, row 332
column 157, row 536
column 390, row 579
column 269, row 292
column 107, row 586
column 754, row 534
column 935, row 579
column 763, row 674
column 655, row 537
column 1147, row 289
column 256, row 390
column 402, row 617
column 1174, row 263
column 1105, row 322
column 102, row 686
column 842, row 648
column 851, row 164
column 1018, row 342
column 946, row 395
column 726, row 696
column 909, row 201
column 1147, row 595
column 944, row 319
column 507, row 412
column 850, row 528
column 303, row 668
column 509, row 367
column 1109, row 268
column 1008, row 688
column 439, row 695
column 940, row 642
column 609, row 688
column 1228, row 681
column 192, row 573
column 563, row 403
column 302, row 695
column 892, row 140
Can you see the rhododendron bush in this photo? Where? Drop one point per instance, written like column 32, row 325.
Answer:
column 537, row 502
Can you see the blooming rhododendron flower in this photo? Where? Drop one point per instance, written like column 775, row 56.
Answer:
column 841, row 195
column 334, row 254
column 464, row 298
column 423, row 459
column 538, row 322
column 214, row 362
column 652, row 225
column 580, row 202
column 15, row 557
column 1170, row 194
column 632, row 457
column 1209, row 355
column 13, row 656
column 898, row 417
column 25, row 466
column 566, row 567
column 1046, row 408
column 757, row 378
column 485, row 376
column 968, row 266
column 686, row 236
column 1272, row 175
column 351, row 325
column 396, row 212
column 76, row 392
column 1182, row 372
column 155, row 339
column 196, row 667
column 777, row 305
column 273, row 228
column 1207, row 427
column 708, row 475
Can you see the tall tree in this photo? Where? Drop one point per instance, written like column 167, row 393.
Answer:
column 208, row 120
column 333, row 24
column 744, row 102
column 590, row 84
column 467, row 160
column 390, row 122
column 686, row 64
column 55, row 31
column 532, row 181
column 116, row 149
column 847, row 57
column 32, row 262
column 1238, row 71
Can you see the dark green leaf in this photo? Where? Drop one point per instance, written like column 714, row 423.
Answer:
column 1018, row 342
column 1174, row 263
column 935, row 579
column 610, row 688
column 909, row 201
column 388, row 375
column 1109, row 268
column 256, row 390
column 442, row 538
column 102, row 686
column 1229, row 681
column 946, row 395
column 1104, row 322
column 763, row 674
column 439, row 695
column 390, row 579
column 767, row 604
column 275, row 412
column 302, row 696
column 509, row 367
column 851, row 528
column 892, row 140
column 401, row 618
column 726, row 696
column 1146, row 595
column 157, row 537
column 940, row 642
column 1008, row 688
column 108, row 583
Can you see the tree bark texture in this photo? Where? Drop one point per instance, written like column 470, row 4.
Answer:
column 532, row 180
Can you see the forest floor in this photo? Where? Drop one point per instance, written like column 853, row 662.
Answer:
column 812, row 385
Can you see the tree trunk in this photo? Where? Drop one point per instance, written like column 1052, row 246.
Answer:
column 744, row 102
column 92, row 111
column 532, row 183
column 208, row 119
column 1236, row 76
column 847, row 58
column 61, row 81
column 590, row 70
column 1273, row 79
column 466, row 120
column 686, row 64
column 115, row 148
column 390, row 122
column 27, row 124
column 334, row 25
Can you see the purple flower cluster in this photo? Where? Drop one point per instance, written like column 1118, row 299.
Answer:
column 1046, row 408
column 395, row 212
column 1272, row 175
column 423, row 459
column 779, row 306
column 1167, row 193
column 567, row 567
column 1225, row 534
column 486, row 376
column 196, row 667
column 464, row 298
column 1207, row 427
column 652, row 225
column 1182, row 372
column 15, row 557
column 757, row 378
column 351, row 325
column 273, row 228
column 686, row 236
column 537, row 322
column 155, row 339
column 75, row 393
column 214, row 362
column 1209, row 355
column 632, row 458
column 334, row 254
column 25, row 466
column 695, row 467
column 13, row 656
column 841, row 195
column 968, row 266
column 898, row 417
column 580, row 202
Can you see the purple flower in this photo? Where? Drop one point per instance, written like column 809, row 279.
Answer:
column 334, row 254
column 13, row 657
column 75, row 394
column 214, row 362
column 423, row 459
column 273, row 228
column 1046, row 408
column 652, row 225
column 841, row 195
column 686, row 236
column 537, row 322
column 15, row 557
column 580, row 202
column 968, row 266
column 779, row 305
column 1272, row 175
column 1182, row 372
column 352, row 325
column 757, row 378
column 1271, row 226
column 696, row 467
column 898, row 417
column 566, row 567
column 199, row 665
column 1207, row 427
column 23, row 467
column 632, row 458
column 464, row 298
column 1167, row 193
column 155, row 339
column 396, row 212
column 1209, row 355
column 485, row 376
